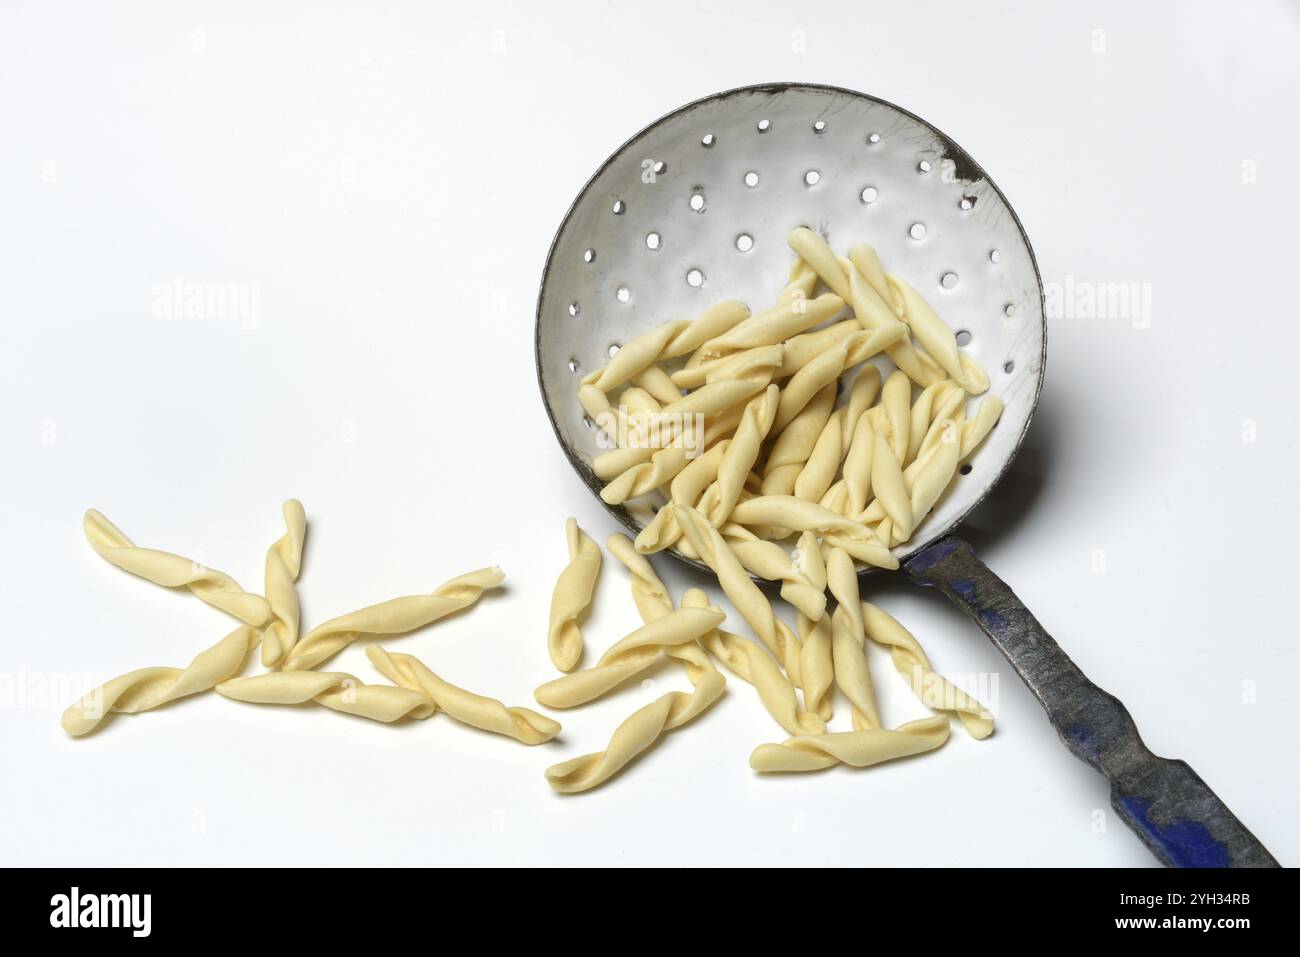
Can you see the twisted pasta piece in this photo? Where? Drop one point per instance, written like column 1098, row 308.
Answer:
column 858, row 749
column 857, row 468
column 572, row 596
column 848, row 638
column 827, row 368
column 333, row 689
column 771, row 562
column 863, row 391
column 664, row 342
column 873, row 312
column 864, row 259
column 816, row 662
column 787, row 511
column 752, row 664
column 935, row 691
column 888, row 487
column 283, row 563
column 149, row 688
column 813, row 250
column 664, row 530
column 739, row 459
column 487, row 714
column 396, row 616
column 658, row 384
column 937, row 339
column 774, row 325
column 939, row 401
column 631, row 655
column 896, row 413
column 802, row 280
column 746, row 364
column 654, row 603
column 807, row 346
column 740, row 588
column 795, row 444
column 172, row 571
column 635, row 735
column 664, row 465
column 648, row 593
column 819, row 471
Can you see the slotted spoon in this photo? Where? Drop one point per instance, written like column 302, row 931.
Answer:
column 696, row 207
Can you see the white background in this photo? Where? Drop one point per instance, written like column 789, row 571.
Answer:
column 391, row 180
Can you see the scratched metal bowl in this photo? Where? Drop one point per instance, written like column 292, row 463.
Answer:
column 695, row 208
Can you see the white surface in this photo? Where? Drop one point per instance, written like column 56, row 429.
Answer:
column 392, row 181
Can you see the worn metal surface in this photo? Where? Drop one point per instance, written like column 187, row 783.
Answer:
column 919, row 175
column 1164, row 801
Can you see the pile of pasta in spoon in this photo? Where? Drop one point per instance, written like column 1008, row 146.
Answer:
column 737, row 421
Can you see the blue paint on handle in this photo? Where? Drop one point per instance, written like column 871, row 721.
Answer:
column 967, row 590
column 923, row 561
column 1185, row 843
column 1083, row 736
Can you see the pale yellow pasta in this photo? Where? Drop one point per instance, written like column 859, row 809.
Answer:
column 937, row 339
column 657, row 383
column 771, row 562
column 848, row 640
column 774, row 325
column 819, row 471
column 786, row 511
column 664, row 342
column 571, row 597
column 836, row 498
column 813, row 250
column 629, row 656
column 738, row 365
column 802, row 280
column 827, row 368
column 873, row 312
column 857, row 468
column 487, row 714
column 710, row 399
column 394, row 617
column 662, row 467
column 664, row 530
column 857, row 749
column 795, row 443
column 816, row 663
column 778, row 693
column 934, row 691
column 149, row 688
column 896, row 413
column 283, row 563
column 730, row 649
column 939, row 401
column 932, row 480
column 595, row 403
column 740, row 588
column 635, row 735
column 172, row 571
column 975, row 430
column 739, row 459
column 332, row 689
column 863, row 392
column 807, row 346
column 648, row 592
column 888, row 487
column 863, row 257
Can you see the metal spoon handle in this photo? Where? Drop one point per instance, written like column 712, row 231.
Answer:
column 1163, row 801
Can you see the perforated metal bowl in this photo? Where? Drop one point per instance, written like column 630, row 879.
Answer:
column 696, row 207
